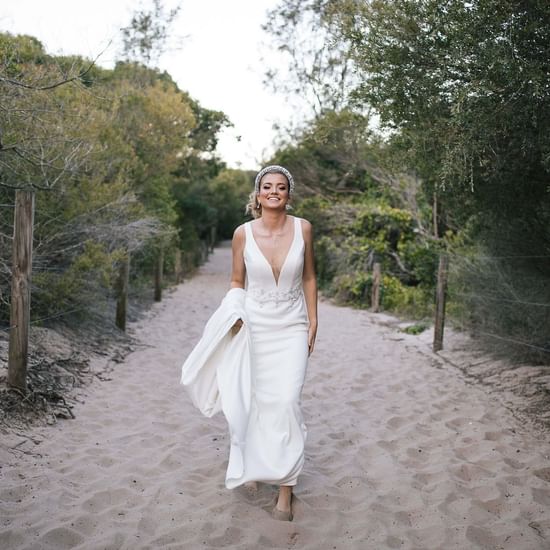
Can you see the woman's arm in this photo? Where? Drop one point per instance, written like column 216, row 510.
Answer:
column 238, row 270
column 310, row 283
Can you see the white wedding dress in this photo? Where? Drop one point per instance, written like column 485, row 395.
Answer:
column 278, row 324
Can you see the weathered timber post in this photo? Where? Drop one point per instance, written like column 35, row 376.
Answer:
column 158, row 274
column 441, row 292
column 435, row 216
column 122, row 291
column 212, row 237
column 21, row 290
column 177, row 266
column 376, row 280
column 187, row 261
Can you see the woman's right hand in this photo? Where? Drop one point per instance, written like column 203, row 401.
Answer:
column 236, row 327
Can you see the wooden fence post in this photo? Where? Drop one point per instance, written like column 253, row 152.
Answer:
column 435, row 216
column 439, row 324
column 158, row 274
column 177, row 266
column 122, row 292
column 21, row 290
column 204, row 250
column 212, row 237
column 376, row 280
column 187, row 261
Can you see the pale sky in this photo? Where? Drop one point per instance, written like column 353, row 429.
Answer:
column 219, row 62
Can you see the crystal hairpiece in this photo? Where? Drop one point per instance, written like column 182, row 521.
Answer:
column 274, row 168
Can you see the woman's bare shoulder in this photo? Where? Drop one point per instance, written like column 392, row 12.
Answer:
column 306, row 226
column 239, row 235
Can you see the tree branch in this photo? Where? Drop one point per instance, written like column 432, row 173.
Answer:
column 55, row 84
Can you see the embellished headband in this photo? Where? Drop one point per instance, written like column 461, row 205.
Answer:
column 274, row 168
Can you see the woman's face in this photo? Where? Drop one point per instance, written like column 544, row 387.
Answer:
column 273, row 191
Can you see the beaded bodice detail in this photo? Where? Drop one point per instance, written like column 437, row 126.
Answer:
column 263, row 296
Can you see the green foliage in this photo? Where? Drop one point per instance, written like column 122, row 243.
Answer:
column 229, row 192
column 351, row 235
column 467, row 88
column 16, row 51
column 502, row 297
column 86, row 281
column 471, row 124
column 145, row 38
column 417, row 328
column 414, row 301
column 333, row 154
column 110, row 164
column 322, row 69
column 352, row 288
column 326, row 253
column 318, row 211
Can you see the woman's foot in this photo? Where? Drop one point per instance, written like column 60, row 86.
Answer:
column 283, row 508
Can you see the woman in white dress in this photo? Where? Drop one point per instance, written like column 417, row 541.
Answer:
column 273, row 259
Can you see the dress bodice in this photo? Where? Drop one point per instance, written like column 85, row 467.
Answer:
column 261, row 284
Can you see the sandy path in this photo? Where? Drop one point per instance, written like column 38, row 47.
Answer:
column 400, row 453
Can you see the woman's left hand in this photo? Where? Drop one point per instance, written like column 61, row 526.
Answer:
column 236, row 327
column 312, row 333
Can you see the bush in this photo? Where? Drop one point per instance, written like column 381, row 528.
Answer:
column 413, row 301
column 353, row 289
column 353, row 234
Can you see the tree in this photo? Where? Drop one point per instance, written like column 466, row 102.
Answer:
column 320, row 70
column 145, row 38
column 465, row 89
column 465, row 86
column 103, row 150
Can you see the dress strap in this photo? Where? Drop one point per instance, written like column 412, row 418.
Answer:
column 298, row 228
column 247, row 230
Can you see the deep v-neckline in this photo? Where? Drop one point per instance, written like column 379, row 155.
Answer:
column 275, row 279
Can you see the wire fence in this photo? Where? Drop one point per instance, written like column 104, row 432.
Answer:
column 510, row 299
column 487, row 257
column 498, row 299
column 134, row 295
column 514, row 341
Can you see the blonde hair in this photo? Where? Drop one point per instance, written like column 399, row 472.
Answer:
column 253, row 205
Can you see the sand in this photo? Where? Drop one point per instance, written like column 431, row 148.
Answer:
column 402, row 452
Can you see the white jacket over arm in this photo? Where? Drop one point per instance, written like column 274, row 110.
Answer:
column 217, row 373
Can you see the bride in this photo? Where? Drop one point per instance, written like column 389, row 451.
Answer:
column 251, row 360
column 274, row 255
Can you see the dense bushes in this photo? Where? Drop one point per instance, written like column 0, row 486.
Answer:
column 352, row 235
